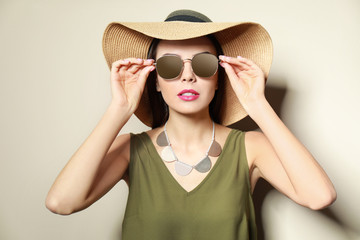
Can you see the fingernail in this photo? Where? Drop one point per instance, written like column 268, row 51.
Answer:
column 239, row 57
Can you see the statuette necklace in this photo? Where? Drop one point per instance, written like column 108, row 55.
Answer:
column 181, row 168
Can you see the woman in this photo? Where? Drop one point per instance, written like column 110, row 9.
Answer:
column 190, row 176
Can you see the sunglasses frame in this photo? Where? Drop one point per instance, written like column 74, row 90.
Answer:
column 188, row 59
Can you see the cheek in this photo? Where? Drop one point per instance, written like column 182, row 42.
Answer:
column 165, row 88
column 160, row 84
column 215, row 81
column 211, row 89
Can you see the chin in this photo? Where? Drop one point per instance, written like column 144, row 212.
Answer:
column 192, row 110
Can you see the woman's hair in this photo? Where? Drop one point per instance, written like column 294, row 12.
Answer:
column 160, row 110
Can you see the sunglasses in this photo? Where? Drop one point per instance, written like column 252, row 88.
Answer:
column 203, row 65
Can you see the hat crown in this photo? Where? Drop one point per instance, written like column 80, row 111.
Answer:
column 186, row 15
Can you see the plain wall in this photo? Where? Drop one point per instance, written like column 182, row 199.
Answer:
column 55, row 88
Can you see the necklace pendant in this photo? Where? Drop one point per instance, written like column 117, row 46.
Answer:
column 204, row 165
column 215, row 149
column 182, row 169
column 167, row 154
column 161, row 140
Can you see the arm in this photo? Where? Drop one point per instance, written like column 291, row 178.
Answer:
column 282, row 159
column 103, row 158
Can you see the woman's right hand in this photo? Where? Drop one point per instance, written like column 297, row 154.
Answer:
column 102, row 160
column 128, row 77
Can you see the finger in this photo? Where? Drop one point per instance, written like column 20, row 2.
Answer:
column 145, row 73
column 229, row 70
column 138, row 63
column 135, row 60
column 118, row 64
column 124, row 69
column 235, row 61
column 149, row 62
column 252, row 65
column 118, row 68
column 145, row 62
column 134, row 68
column 246, row 61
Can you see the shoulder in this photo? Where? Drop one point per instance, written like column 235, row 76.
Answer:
column 255, row 142
column 124, row 143
column 122, row 139
column 258, row 147
column 254, row 137
column 255, row 145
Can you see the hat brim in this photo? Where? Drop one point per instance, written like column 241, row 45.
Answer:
column 250, row 40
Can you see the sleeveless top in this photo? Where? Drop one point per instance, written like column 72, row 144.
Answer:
column 158, row 208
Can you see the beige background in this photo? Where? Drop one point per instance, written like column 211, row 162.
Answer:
column 55, row 87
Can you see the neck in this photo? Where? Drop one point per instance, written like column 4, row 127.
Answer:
column 188, row 130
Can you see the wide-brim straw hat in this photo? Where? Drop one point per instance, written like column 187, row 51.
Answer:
column 247, row 39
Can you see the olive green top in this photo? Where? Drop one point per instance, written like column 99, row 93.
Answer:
column 158, row 208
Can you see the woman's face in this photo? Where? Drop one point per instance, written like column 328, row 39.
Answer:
column 179, row 92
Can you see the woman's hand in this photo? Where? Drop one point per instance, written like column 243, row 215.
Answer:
column 276, row 154
column 128, row 77
column 246, row 78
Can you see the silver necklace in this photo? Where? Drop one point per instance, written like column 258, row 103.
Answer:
column 181, row 168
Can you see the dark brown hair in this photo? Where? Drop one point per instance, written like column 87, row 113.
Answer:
column 160, row 110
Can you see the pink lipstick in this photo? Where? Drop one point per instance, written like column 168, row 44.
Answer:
column 188, row 95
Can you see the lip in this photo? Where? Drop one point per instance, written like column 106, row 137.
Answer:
column 189, row 97
column 188, row 91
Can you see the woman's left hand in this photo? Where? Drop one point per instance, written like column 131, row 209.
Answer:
column 246, row 78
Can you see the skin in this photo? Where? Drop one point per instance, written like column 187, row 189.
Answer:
column 274, row 154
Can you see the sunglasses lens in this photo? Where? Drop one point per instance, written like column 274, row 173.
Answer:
column 205, row 64
column 169, row 67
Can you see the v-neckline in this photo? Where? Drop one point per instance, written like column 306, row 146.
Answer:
column 173, row 179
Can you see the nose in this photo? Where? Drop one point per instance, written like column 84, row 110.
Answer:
column 187, row 73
